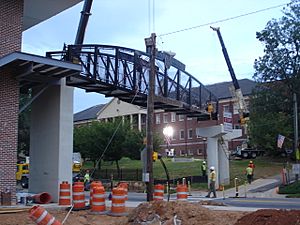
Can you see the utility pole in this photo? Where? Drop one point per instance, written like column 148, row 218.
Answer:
column 151, row 48
column 295, row 122
column 296, row 130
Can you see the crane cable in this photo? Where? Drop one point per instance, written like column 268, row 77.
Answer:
column 223, row 20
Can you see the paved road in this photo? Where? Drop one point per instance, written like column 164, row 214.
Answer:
column 251, row 202
column 272, row 203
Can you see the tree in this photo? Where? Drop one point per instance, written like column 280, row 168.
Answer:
column 278, row 71
column 108, row 141
column 24, row 125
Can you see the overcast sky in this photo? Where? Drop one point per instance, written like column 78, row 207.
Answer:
column 127, row 23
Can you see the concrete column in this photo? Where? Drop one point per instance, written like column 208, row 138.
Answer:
column 212, row 157
column 216, row 153
column 51, row 140
column 223, row 162
column 131, row 121
column 139, row 122
column 223, row 156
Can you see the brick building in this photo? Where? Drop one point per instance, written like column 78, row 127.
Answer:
column 16, row 16
column 11, row 13
column 184, row 141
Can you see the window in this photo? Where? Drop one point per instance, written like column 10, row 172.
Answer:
column 157, row 118
column 173, row 137
column 181, row 118
column 237, row 126
column 226, row 108
column 235, row 108
column 165, row 118
column 173, row 117
column 189, row 118
column 181, row 152
column 190, row 134
column 191, row 152
column 181, row 134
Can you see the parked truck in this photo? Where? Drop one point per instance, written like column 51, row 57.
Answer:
column 244, row 151
column 22, row 173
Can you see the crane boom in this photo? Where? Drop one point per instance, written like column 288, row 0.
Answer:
column 85, row 13
column 237, row 90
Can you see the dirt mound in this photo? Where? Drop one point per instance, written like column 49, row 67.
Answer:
column 165, row 213
column 271, row 217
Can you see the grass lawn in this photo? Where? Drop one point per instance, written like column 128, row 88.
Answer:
column 265, row 167
column 292, row 190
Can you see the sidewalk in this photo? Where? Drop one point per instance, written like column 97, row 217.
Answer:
column 260, row 188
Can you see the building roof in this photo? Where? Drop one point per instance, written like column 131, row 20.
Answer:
column 222, row 91
column 88, row 114
column 36, row 12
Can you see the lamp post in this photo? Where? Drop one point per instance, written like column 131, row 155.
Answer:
column 168, row 133
column 204, row 152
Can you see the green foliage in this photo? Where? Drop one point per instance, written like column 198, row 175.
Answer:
column 109, row 141
column 293, row 188
column 278, row 73
column 24, row 125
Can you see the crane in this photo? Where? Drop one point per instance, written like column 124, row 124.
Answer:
column 243, row 110
column 85, row 13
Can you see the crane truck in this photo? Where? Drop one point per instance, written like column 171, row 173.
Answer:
column 244, row 151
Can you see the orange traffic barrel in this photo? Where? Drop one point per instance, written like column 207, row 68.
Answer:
column 93, row 185
column 158, row 192
column 64, row 193
column 124, row 185
column 118, row 202
column 182, row 192
column 78, row 196
column 98, row 201
column 41, row 217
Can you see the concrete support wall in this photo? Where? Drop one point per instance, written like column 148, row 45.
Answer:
column 213, row 157
column 10, row 40
column 223, row 153
column 51, row 140
column 217, row 150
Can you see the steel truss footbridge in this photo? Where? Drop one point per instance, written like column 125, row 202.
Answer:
column 124, row 73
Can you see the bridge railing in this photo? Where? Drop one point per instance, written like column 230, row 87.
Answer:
column 109, row 68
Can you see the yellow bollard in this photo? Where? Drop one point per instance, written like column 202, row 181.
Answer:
column 236, row 188
column 189, row 188
column 245, row 189
column 223, row 191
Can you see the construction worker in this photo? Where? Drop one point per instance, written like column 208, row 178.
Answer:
column 251, row 164
column 87, row 180
column 212, row 184
column 203, row 168
column 249, row 174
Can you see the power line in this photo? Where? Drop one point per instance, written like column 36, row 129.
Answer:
column 222, row 20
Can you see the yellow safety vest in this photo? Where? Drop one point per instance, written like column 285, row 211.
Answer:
column 212, row 176
column 86, row 177
column 249, row 171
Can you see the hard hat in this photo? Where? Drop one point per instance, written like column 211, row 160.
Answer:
column 250, row 161
column 212, row 168
column 203, row 162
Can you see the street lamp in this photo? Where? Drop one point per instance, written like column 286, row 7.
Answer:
column 168, row 132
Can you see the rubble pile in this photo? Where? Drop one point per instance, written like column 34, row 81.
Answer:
column 271, row 217
column 167, row 213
